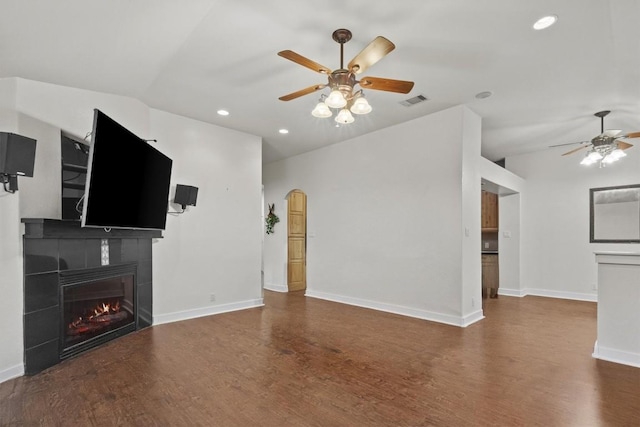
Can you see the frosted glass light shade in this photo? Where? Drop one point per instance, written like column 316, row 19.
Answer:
column 361, row 106
column 344, row 117
column 587, row 161
column 592, row 157
column 321, row 111
column 336, row 99
column 617, row 154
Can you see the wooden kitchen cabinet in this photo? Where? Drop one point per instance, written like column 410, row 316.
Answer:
column 489, row 211
column 490, row 275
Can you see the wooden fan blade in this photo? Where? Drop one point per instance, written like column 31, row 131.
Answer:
column 624, row 145
column 305, row 62
column 568, row 143
column 574, row 150
column 374, row 52
column 389, row 85
column 612, row 132
column 302, row 92
column 631, row 135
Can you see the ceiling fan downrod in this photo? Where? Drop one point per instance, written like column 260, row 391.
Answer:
column 602, row 115
column 342, row 36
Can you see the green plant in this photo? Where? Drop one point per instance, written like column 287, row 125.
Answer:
column 271, row 219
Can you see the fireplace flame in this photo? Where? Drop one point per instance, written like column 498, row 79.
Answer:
column 105, row 309
column 103, row 314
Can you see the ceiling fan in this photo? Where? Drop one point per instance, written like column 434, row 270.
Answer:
column 343, row 80
column 606, row 147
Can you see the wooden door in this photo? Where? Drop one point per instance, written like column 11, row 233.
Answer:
column 297, row 241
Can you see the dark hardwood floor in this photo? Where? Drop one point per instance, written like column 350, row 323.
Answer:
column 306, row 362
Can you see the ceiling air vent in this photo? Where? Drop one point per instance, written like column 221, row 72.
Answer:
column 413, row 101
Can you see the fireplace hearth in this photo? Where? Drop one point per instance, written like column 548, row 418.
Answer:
column 82, row 288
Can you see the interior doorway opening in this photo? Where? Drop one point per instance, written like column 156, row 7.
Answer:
column 500, row 240
column 490, row 247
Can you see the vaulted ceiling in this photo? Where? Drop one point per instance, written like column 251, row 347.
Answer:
column 198, row 56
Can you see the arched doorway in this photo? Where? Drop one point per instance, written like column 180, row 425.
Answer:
column 296, row 241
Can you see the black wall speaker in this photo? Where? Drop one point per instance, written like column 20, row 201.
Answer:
column 186, row 195
column 17, row 154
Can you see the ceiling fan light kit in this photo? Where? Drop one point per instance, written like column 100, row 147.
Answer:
column 605, row 155
column 607, row 147
column 321, row 111
column 343, row 80
column 344, row 117
column 361, row 106
column 336, row 99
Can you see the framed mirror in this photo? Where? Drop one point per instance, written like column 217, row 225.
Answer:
column 615, row 214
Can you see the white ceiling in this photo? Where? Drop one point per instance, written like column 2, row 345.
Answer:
column 197, row 56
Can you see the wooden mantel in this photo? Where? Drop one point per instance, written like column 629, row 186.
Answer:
column 44, row 228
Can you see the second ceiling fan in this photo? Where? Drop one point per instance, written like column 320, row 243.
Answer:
column 606, row 147
column 342, row 81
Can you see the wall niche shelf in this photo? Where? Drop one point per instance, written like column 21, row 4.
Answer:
column 75, row 157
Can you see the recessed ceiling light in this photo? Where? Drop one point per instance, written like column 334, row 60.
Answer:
column 545, row 22
column 223, row 112
column 284, row 131
column 483, row 95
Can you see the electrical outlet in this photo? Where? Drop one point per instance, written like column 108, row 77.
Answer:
column 595, row 286
column 473, row 302
column 212, row 297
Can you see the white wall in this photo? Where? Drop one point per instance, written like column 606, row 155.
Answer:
column 471, row 265
column 557, row 259
column 385, row 218
column 11, row 303
column 212, row 248
column 71, row 109
column 40, row 195
column 509, row 242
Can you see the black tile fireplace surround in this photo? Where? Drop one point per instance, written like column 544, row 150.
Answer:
column 59, row 254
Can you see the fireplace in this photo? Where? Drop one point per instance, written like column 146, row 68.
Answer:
column 96, row 305
column 82, row 288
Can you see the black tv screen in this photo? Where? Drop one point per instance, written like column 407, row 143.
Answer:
column 127, row 179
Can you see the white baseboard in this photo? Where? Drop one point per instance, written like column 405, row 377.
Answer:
column 548, row 293
column 561, row 294
column 472, row 318
column 275, row 287
column 11, row 373
column 616, row 356
column 206, row 311
column 397, row 309
column 512, row 292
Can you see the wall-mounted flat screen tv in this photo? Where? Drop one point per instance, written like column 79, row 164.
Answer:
column 127, row 179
